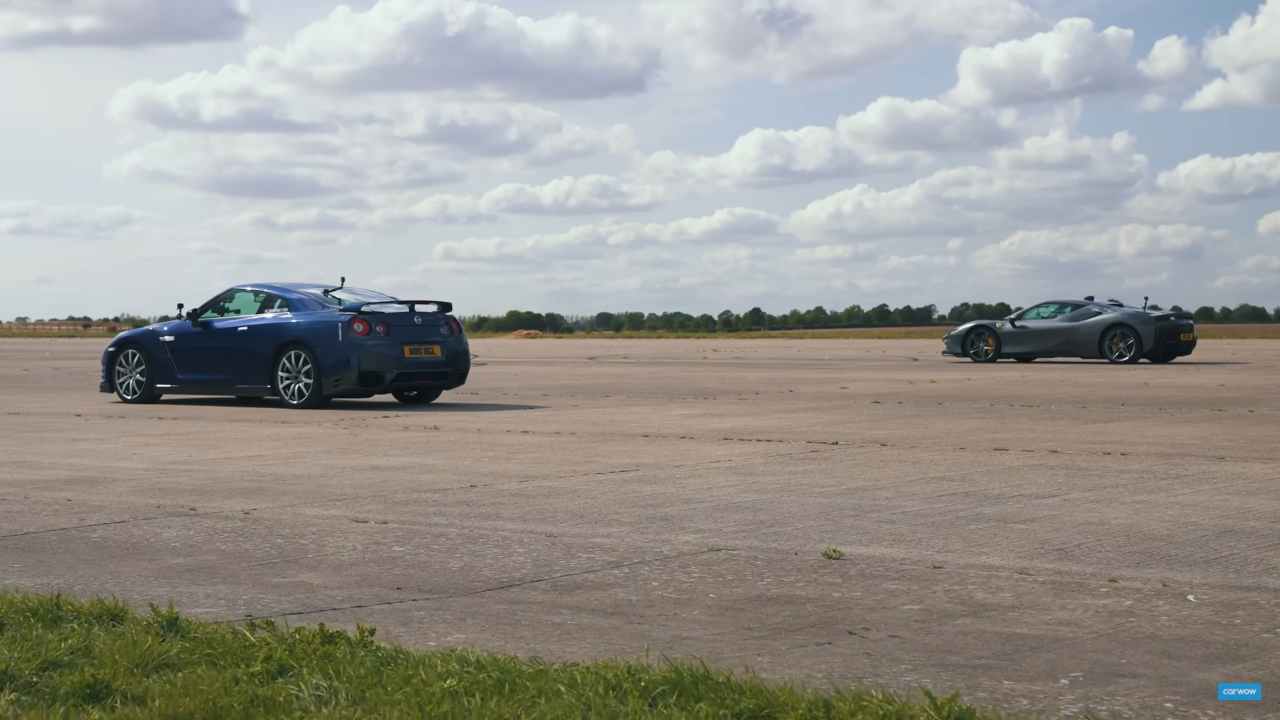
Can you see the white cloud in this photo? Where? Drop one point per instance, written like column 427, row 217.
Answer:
column 1068, row 61
column 572, row 195
column 266, row 166
column 892, row 124
column 445, row 209
column 1170, row 59
column 790, row 39
column 303, row 220
column 1252, row 272
column 1269, row 224
column 35, row 220
column 433, row 45
column 834, row 253
column 730, row 225
column 764, row 157
column 504, row 129
column 1025, row 184
column 121, row 23
column 1224, row 179
column 563, row 196
column 230, row 100
column 1092, row 245
column 1248, row 57
column 890, row 132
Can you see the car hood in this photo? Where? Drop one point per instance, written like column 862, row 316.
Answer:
column 139, row 332
column 972, row 324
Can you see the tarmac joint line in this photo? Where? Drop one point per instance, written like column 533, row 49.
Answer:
column 482, row 591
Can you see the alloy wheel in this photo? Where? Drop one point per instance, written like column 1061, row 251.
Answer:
column 1121, row 346
column 131, row 374
column 981, row 345
column 295, row 377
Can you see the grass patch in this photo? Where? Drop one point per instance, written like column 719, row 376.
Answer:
column 831, row 552
column 67, row 658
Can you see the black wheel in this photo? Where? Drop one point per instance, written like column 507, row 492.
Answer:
column 131, row 375
column 298, row 380
column 982, row 345
column 1025, row 360
column 417, row 397
column 1121, row 344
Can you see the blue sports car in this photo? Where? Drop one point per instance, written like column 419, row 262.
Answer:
column 301, row 342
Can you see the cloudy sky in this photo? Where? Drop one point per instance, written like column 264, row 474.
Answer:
column 577, row 155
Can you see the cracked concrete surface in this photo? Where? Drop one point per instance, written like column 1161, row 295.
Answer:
column 1032, row 536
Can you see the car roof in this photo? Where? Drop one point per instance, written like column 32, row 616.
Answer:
column 288, row 289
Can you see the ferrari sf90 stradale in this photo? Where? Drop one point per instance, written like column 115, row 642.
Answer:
column 301, row 342
column 1077, row 328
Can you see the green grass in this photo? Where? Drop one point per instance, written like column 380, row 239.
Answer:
column 67, row 658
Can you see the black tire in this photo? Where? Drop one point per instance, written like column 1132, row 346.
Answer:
column 1025, row 360
column 296, row 378
column 1121, row 345
column 417, row 397
column 1162, row 359
column 131, row 376
column 982, row 345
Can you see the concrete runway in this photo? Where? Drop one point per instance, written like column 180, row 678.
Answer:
column 1054, row 537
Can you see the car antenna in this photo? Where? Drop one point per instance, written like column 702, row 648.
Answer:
column 342, row 284
column 1145, row 300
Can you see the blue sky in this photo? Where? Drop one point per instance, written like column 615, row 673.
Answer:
column 661, row 154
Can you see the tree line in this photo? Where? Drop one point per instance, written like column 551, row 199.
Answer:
column 819, row 317
column 754, row 319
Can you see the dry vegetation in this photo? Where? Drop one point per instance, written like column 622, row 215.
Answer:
column 933, row 332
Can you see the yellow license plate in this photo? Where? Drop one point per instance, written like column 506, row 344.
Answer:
column 422, row 351
column 1188, row 337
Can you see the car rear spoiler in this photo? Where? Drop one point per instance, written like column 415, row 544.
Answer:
column 439, row 306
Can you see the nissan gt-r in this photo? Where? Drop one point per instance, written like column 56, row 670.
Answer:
column 303, row 343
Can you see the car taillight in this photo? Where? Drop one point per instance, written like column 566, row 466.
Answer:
column 452, row 326
column 360, row 326
column 382, row 329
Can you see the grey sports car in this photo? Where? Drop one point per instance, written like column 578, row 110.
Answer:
column 1077, row 328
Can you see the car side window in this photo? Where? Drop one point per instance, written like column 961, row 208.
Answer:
column 1081, row 314
column 273, row 304
column 1048, row 311
column 235, row 303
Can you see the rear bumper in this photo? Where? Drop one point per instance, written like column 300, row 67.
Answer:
column 379, row 367
column 1169, row 342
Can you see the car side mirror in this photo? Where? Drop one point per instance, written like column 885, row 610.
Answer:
column 193, row 316
column 1012, row 320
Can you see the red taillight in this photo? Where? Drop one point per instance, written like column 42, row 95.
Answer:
column 452, row 326
column 382, row 329
column 360, row 326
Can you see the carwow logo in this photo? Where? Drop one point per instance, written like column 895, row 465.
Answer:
column 1239, row 692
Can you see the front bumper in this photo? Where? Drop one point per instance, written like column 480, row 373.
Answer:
column 378, row 367
column 104, row 373
column 951, row 345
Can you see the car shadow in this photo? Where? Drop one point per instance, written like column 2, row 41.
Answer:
column 357, row 405
column 1175, row 364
